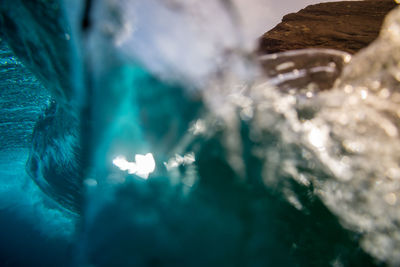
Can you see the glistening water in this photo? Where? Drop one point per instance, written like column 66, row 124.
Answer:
column 148, row 133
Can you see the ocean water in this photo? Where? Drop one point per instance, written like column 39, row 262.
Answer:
column 32, row 224
column 147, row 133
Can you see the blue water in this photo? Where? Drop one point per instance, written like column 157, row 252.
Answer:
column 220, row 218
column 33, row 233
column 32, row 225
column 112, row 155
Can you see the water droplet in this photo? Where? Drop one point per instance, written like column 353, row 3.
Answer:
column 364, row 94
column 384, row 93
column 284, row 66
column 390, row 198
column 348, row 89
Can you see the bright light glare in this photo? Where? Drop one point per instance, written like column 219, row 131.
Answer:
column 316, row 138
column 142, row 167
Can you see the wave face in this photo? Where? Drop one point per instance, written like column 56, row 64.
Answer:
column 174, row 145
column 49, row 53
column 19, row 108
column 32, row 225
column 54, row 157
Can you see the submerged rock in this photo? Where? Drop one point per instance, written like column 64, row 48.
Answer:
column 348, row 26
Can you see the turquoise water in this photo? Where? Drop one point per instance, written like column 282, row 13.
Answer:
column 31, row 223
column 132, row 134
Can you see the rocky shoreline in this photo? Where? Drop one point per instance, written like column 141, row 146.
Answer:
column 347, row 25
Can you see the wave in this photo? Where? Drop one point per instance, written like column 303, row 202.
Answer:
column 244, row 157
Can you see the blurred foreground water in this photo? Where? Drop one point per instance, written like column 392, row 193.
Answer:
column 154, row 136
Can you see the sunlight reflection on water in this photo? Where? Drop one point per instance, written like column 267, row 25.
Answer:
column 142, row 167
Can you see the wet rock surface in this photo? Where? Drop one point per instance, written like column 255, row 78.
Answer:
column 347, row 25
column 304, row 70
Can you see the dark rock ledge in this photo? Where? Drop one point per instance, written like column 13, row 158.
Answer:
column 348, row 26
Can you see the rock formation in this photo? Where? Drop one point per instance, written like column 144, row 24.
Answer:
column 347, row 25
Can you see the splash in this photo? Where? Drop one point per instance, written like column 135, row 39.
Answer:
column 258, row 153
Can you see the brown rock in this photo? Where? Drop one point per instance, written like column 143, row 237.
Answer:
column 347, row 26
